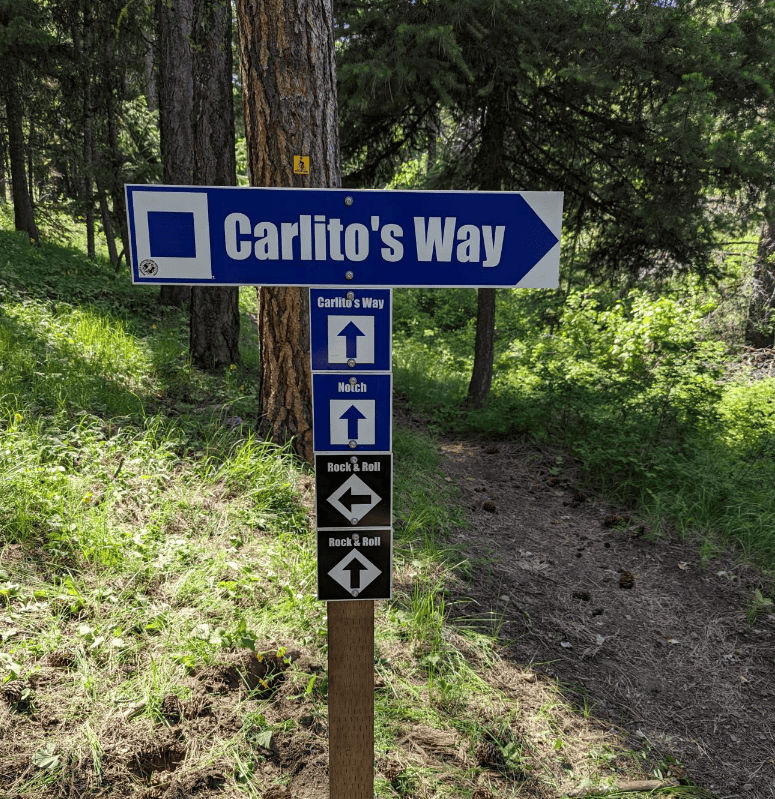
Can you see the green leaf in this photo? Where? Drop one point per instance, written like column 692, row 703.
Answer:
column 264, row 739
column 45, row 758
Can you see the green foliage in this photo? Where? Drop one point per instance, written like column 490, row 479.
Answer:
column 22, row 30
column 649, row 119
column 758, row 605
column 449, row 309
column 634, row 389
column 142, row 540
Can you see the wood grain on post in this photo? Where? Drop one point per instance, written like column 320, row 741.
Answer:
column 351, row 700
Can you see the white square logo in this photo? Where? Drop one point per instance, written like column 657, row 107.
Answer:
column 185, row 252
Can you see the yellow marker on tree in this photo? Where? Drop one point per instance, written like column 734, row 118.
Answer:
column 301, row 165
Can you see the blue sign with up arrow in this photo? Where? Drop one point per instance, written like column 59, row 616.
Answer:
column 350, row 330
column 351, row 413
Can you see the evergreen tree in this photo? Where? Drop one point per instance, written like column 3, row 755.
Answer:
column 214, row 312
column 655, row 122
column 99, row 133
column 24, row 46
column 176, row 97
column 289, row 91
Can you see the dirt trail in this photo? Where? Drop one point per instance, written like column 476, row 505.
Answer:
column 671, row 658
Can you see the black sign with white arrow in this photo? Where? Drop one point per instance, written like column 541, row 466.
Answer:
column 354, row 491
column 354, row 565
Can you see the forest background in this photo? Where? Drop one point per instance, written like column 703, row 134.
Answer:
column 655, row 119
column 649, row 369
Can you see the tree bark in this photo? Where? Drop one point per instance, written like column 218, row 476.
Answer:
column 88, row 194
column 115, row 160
column 484, row 349
column 24, row 217
column 488, row 169
column 151, row 94
column 88, row 199
column 176, row 103
column 30, row 163
column 214, row 313
column 82, row 50
column 760, row 326
column 288, row 75
column 3, row 178
column 107, row 222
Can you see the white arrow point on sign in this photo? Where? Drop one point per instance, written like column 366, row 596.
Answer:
column 354, row 572
column 351, row 337
column 546, row 208
column 547, row 271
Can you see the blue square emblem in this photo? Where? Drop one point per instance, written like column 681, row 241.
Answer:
column 171, row 234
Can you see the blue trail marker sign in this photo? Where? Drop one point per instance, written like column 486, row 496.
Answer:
column 221, row 235
column 351, row 248
column 351, row 413
column 350, row 335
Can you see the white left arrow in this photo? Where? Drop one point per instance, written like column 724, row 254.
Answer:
column 354, row 499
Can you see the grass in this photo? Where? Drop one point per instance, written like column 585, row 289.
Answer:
column 147, row 533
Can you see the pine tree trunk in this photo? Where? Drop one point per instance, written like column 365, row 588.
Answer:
column 176, row 95
column 82, row 46
column 151, row 94
column 488, row 169
column 30, row 163
column 760, row 326
column 289, row 88
column 24, row 217
column 3, row 162
column 214, row 312
column 484, row 349
column 107, row 222
column 115, row 158
column 88, row 194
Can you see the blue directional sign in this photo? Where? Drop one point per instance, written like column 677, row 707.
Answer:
column 351, row 413
column 350, row 330
column 223, row 235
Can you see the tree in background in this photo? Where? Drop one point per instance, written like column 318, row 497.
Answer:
column 196, row 127
column 214, row 311
column 760, row 324
column 289, row 89
column 176, row 97
column 98, row 131
column 654, row 121
column 24, row 46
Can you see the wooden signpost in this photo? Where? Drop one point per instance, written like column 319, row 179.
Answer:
column 353, row 247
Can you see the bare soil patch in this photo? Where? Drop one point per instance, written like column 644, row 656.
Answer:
column 636, row 626
column 177, row 756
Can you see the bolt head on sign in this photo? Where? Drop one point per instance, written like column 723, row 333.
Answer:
column 301, row 165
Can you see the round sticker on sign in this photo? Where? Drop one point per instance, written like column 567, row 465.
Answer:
column 148, row 268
